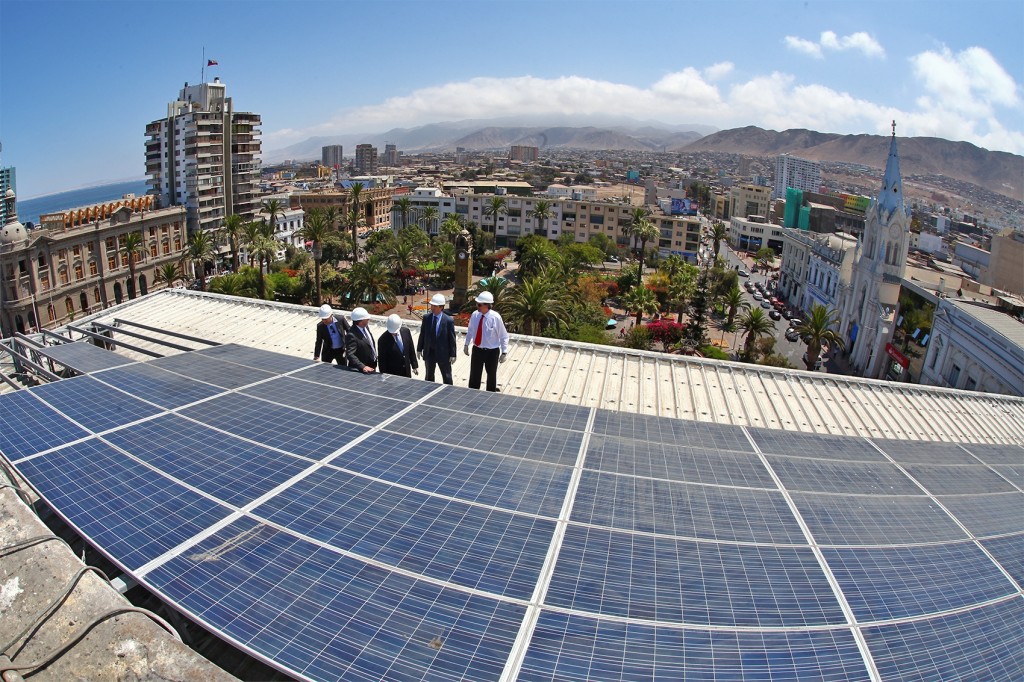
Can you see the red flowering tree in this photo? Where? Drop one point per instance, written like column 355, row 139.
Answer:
column 667, row 331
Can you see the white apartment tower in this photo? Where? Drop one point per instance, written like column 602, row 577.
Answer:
column 205, row 156
column 792, row 171
column 868, row 317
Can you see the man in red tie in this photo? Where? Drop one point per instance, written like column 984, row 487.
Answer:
column 489, row 337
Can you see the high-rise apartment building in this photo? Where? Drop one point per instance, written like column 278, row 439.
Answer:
column 390, row 155
column 366, row 159
column 205, row 156
column 7, row 182
column 523, row 153
column 332, row 156
column 792, row 171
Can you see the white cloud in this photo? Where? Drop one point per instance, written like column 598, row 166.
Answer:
column 808, row 47
column 718, row 71
column 971, row 81
column 859, row 41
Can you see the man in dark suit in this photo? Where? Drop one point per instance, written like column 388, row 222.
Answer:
column 395, row 347
column 330, row 337
column 359, row 344
column 436, row 344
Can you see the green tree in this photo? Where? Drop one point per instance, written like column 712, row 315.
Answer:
column 495, row 207
column 718, row 233
column 451, row 226
column 542, row 213
column 444, row 254
column 536, row 254
column 263, row 249
column 369, row 282
column 764, row 258
column 671, row 265
column 403, row 206
column 251, row 231
column 168, row 274
column 402, row 257
column 640, row 300
column 131, row 247
column 427, row 218
column 498, row 287
column 273, row 208
column 233, row 231
column 316, row 229
column 229, row 285
column 754, row 324
column 734, row 302
column 641, row 230
column 200, row 251
column 534, row 305
column 819, row 328
column 355, row 217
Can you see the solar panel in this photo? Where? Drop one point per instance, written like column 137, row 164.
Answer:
column 342, row 526
column 84, row 357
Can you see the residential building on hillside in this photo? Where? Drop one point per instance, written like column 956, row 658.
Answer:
column 205, row 156
column 792, row 171
column 73, row 264
column 523, row 153
column 366, row 159
column 333, row 156
column 374, row 210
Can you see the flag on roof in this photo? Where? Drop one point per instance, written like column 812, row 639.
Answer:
column 211, row 62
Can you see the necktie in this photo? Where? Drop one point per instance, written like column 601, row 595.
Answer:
column 398, row 340
column 479, row 331
column 437, row 326
column 369, row 338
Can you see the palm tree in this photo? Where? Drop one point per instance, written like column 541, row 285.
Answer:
column 641, row 300
column 444, row 254
column 131, row 246
column 542, row 212
column 355, row 218
column 534, row 305
column 201, row 250
column 263, row 249
column 734, row 302
column 535, row 256
column 496, row 285
column 233, row 226
column 403, row 205
column 402, row 258
column 332, row 215
column 168, row 274
column 229, row 285
column 495, row 206
column 680, row 289
column 273, row 208
column 369, row 282
column 251, row 231
column 671, row 265
column 818, row 328
column 755, row 324
column 718, row 233
column 643, row 231
column 316, row 229
column 451, row 227
column 427, row 218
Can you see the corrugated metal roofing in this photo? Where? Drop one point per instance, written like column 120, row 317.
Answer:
column 631, row 381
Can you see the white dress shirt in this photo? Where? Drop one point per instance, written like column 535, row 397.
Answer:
column 494, row 336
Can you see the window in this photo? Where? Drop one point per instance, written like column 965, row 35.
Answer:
column 153, row 250
column 77, row 250
column 92, row 268
column 63, row 274
column 111, row 262
column 42, row 260
column 954, row 375
column 69, row 305
column 79, row 272
column 44, row 281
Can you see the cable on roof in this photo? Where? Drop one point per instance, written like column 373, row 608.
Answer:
column 28, row 542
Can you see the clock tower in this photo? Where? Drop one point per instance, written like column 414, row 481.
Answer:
column 463, row 269
column 870, row 310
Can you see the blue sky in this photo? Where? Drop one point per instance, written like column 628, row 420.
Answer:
column 80, row 80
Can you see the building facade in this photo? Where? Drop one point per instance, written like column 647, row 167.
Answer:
column 748, row 200
column 523, row 153
column 1006, row 264
column 332, row 156
column 205, row 156
column 73, row 264
column 792, row 171
column 795, row 264
column 751, row 235
column 375, row 205
column 8, row 181
column 829, row 271
column 366, row 159
column 391, row 156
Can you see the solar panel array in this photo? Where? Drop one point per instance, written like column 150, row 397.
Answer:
column 342, row 526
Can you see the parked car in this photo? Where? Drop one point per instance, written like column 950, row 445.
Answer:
column 795, row 322
column 787, row 313
column 749, row 287
column 744, row 273
column 774, row 314
column 791, row 334
column 758, row 296
column 765, row 303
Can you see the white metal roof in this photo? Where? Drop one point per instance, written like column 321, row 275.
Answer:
column 614, row 378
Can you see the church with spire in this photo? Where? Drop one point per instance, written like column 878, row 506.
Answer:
column 869, row 313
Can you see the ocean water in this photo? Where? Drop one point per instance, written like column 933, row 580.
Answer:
column 29, row 210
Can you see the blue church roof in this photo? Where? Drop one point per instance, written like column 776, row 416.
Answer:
column 890, row 198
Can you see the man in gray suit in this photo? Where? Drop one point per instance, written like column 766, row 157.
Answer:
column 436, row 344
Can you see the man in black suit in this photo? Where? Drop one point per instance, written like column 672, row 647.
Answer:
column 397, row 355
column 359, row 346
column 436, row 344
column 330, row 337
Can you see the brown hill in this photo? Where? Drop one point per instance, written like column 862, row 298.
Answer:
column 999, row 172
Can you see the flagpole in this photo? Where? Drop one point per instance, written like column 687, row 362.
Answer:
column 202, row 78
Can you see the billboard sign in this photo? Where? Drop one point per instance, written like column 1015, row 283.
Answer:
column 684, row 207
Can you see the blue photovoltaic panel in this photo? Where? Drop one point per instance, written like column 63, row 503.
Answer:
column 94, row 405
column 682, row 581
column 328, row 400
column 220, row 465
column 573, row 648
column 284, row 428
column 1009, row 552
column 677, row 462
column 211, row 370
column 959, row 480
column 329, row 617
column 685, row 510
column 839, row 476
column 507, row 482
column 924, row 452
column 776, row 442
column 887, row 583
column 500, row 406
column 875, row 519
column 985, row 515
column 673, row 431
column 1013, row 474
column 130, row 511
column 84, row 357
column 541, row 443
column 166, row 389
column 256, row 358
column 27, row 426
column 382, row 385
column 993, row 454
column 462, row 544
column 986, row 643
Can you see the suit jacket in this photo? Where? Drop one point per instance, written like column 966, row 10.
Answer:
column 359, row 349
column 394, row 361
column 323, row 347
column 442, row 344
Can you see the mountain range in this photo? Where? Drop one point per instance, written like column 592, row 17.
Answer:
column 999, row 172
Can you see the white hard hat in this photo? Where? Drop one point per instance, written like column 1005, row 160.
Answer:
column 485, row 297
column 394, row 323
column 325, row 311
column 439, row 299
column 360, row 314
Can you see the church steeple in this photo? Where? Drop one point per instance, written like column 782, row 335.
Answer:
column 890, row 199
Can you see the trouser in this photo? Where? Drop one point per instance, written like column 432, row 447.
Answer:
column 481, row 359
column 443, row 364
column 331, row 354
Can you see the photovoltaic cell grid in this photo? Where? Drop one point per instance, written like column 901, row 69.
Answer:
column 413, row 551
column 84, row 357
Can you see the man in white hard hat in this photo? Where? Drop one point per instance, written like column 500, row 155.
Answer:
column 436, row 344
column 489, row 338
column 360, row 346
column 397, row 355
column 330, row 337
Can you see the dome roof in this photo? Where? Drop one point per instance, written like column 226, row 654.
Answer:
column 12, row 233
